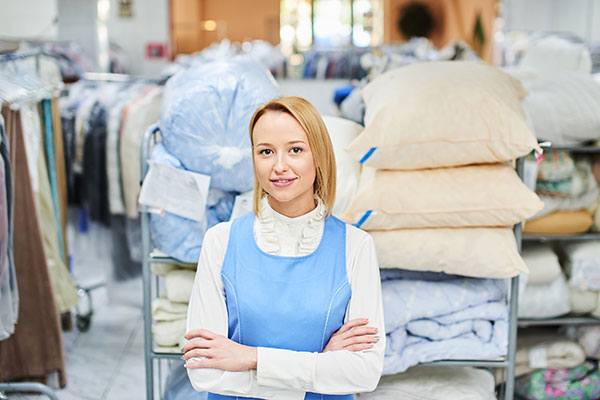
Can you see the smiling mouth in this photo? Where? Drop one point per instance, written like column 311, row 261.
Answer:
column 282, row 180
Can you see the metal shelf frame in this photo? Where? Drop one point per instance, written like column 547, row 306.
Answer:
column 152, row 256
column 566, row 320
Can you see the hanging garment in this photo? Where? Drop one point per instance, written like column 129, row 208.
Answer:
column 62, row 283
column 36, row 347
column 9, row 294
column 61, row 174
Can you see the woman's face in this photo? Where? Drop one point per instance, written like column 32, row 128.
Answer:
column 284, row 163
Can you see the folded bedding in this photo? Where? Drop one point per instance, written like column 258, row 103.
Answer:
column 542, row 263
column 454, row 319
column 435, row 383
column 583, row 301
column 539, row 349
column 545, row 300
column 164, row 309
column 589, row 337
column 578, row 383
column 560, row 223
column 169, row 333
column 564, row 108
column 582, row 263
column 179, row 284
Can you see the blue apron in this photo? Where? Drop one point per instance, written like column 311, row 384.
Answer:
column 293, row 303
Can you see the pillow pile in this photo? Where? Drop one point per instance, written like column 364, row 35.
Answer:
column 436, row 183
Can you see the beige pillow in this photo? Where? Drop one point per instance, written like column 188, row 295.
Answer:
column 478, row 195
column 475, row 252
column 440, row 114
column 560, row 223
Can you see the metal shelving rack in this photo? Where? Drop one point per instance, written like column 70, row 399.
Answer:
column 151, row 286
column 567, row 319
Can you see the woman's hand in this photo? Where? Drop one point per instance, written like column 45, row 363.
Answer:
column 354, row 335
column 217, row 352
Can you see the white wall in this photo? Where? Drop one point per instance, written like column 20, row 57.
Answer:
column 579, row 17
column 149, row 23
column 28, row 18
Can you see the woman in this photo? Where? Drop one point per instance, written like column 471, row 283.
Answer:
column 274, row 287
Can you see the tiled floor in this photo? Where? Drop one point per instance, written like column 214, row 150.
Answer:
column 106, row 362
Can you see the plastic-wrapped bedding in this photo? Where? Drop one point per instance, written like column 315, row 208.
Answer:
column 180, row 237
column 205, row 117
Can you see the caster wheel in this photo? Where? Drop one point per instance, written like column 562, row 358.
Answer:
column 83, row 322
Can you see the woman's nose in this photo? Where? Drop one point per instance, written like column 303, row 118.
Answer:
column 281, row 164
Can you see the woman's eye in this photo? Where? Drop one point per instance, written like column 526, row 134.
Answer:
column 296, row 150
column 266, row 152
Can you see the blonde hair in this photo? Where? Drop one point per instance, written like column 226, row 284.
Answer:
column 318, row 139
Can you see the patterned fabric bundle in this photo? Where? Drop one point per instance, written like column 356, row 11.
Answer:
column 579, row 383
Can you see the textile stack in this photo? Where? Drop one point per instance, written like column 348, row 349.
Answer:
column 552, row 366
column 441, row 186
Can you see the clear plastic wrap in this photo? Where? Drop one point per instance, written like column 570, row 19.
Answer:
column 205, row 115
column 180, row 237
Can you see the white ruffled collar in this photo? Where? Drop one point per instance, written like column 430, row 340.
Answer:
column 273, row 227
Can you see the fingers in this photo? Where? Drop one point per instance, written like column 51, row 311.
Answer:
column 359, row 347
column 201, row 363
column 352, row 324
column 359, row 331
column 360, row 340
column 206, row 353
column 202, row 333
column 196, row 343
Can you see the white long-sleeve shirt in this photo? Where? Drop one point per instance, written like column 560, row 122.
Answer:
column 287, row 374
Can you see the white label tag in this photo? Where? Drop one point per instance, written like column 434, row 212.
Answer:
column 242, row 205
column 537, row 357
column 175, row 190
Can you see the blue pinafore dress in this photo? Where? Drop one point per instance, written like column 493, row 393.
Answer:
column 293, row 303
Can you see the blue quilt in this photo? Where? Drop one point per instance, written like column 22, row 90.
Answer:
column 459, row 318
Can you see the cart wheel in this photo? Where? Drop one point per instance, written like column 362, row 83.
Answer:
column 83, row 322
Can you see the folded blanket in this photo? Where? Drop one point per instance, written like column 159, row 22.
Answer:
column 178, row 285
column 589, row 338
column 583, row 301
column 579, row 383
column 582, row 262
column 542, row 263
column 556, row 166
column 165, row 310
column 546, row 300
column 169, row 333
column 435, row 383
column 537, row 350
column 453, row 319
column 560, row 223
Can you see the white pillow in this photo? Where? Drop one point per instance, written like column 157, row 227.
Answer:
column 553, row 54
column 440, row 114
column 435, row 382
column 475, row 252
column 342, row 132
column 565, row 108
column 479, row 195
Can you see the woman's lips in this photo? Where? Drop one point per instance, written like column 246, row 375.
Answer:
column 282, row 182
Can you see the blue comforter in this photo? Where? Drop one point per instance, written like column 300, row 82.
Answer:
column 453, row 319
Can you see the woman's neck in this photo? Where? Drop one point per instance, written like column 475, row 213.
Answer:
column 293, row 209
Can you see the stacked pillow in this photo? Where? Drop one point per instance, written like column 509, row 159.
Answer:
column 436, row 190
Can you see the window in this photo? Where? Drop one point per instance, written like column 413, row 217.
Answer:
column 330, row 23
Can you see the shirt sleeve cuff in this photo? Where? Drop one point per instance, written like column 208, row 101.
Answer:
column 285, row 369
